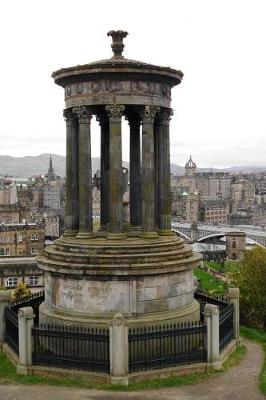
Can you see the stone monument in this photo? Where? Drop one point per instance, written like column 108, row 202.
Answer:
column 139, row 269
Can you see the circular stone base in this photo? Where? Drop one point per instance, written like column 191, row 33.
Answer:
column 188, row 313
column 148, row 280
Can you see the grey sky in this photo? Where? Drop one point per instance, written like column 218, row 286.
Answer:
column 219, row 45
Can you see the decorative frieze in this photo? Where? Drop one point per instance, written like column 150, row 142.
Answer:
column 122, row 87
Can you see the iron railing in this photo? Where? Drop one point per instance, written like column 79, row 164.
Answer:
column 33, row 301
column 226, row 326
column 11, row 330
column 71, row 347
column 166, row 346
column 203, row 298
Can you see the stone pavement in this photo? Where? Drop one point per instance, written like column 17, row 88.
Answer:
column 238, row 383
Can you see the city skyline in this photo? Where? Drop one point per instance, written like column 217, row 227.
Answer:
column 218, row 108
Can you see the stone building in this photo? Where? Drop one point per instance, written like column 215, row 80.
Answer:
column 51, row 195
column 9, row 214
column 14, row 270
column 214, row 211
column 242, row 193
column 21, row 239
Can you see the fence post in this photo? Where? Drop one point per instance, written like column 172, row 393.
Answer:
column 119, row 351
column 25, row 324
column 211, row 313
column 233, row 297
column 5, row 297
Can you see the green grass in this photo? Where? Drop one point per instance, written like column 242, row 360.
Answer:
column 210, row 283
column 8, row 375
column 259, row 337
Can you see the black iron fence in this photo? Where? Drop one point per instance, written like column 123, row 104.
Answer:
column 203, row 298
column 226, row 326
column 166, row 346
column 71, row 347
column 33, row 301
column 11, row 330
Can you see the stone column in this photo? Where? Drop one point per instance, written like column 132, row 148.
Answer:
column 119, row 351
column 104, row 124
column 211, row 313
column 5, row 297
column 233, row 296
column 164, row 191
column 135, row 171
column 115, row 113
column 84, row 115
column 148, row 173
column 71, row 210
column 25, row 324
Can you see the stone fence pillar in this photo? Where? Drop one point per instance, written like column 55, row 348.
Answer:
column 119, row 351
column 25, row 324
column 211, row 313
column 5, row 297
column 233, row 296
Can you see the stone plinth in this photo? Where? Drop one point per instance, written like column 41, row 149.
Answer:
column 89, row 281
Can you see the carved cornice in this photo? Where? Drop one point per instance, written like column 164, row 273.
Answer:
column 165, row 115
column 84, row 114
column 115, row 111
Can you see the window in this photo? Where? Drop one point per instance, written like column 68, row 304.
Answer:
column 33, row 280
column 12, row 281
column 34, row 251
column 4, row 251
column 34, row 236
column 20, row 238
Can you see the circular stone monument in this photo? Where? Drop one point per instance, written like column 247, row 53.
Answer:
column 140, row 269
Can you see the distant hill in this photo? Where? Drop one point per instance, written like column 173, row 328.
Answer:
column 24, row 167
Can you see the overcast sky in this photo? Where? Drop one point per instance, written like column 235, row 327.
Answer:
column 220, row 106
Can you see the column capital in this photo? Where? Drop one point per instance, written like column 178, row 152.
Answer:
column 84, row 114
column 165, row 115
column 102, row 118
column 69, row 116
column 115, row 111
column 148, row 114
column 133, row 117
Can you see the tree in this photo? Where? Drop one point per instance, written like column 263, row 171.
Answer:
column 251, row 280
column 20, row 292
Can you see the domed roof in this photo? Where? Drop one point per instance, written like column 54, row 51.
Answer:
column 116, row 64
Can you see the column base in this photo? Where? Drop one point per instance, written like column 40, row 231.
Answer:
column 85, row 235
column 165, row 232
column 116, row 235
column 70, row 233
column 149, row 235
column 119, row 380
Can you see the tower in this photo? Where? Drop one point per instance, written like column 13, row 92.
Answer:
column 190, row 167
column 143, row 270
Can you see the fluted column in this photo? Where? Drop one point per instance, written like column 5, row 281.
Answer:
column 164, row 192
column 84, row 115
column 104, row 124
column 115, row 113
column 135, row 170
column 148, row 173
column 71, row 223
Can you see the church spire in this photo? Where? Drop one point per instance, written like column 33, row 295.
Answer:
column 51, row 174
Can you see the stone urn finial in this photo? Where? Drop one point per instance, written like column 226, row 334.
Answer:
column 117, row 45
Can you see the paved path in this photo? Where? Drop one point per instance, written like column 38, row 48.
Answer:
column 238, row 383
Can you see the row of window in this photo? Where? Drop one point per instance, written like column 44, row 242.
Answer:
column 5, row 251
column 13, row 281
column 7, row 239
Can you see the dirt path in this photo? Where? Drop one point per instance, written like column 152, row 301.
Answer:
column 238, row 383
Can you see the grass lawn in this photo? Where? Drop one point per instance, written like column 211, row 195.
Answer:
column 260, row 337
column 8, row 375
column 210, row 283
